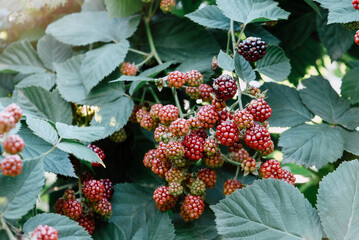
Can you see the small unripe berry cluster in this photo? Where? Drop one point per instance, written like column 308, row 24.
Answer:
column 128, row 69
column 45, row 232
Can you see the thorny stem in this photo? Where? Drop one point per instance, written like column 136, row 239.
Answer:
column 174, row 92
column 150, row 41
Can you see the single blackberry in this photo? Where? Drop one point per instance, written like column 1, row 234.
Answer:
column 197, row 187
column 239, row 156
column 15, row 111
column 108, row 188
column 119, row 136
column 192, row 208
column 167, row 5
column 355, row 4
column 288, row 177
column 13, row 144
column 210, row 147
column 140, row 113
column 133, row 118
column 155, row 110
column 208, row 176
column 175, row 175
column 161, row 152
column 271, row 169
column 148, row 158
column 252, row 49
column 93, row 190
column 249, row 166
column 162, row 134
column 243, row 119
column 128, row 69
column 235, row 147
column 193, row 92
column 207, row 116
column 45, row 232
column 7, row 122
column 214, row 161
column 193, row 123
column 176, row 79
column 159, row 167
column 193, row 78
column 200, row 132
column 193, row 147
column 148, row 123
column 72, row 209
column 174, row 150
column 175, row 189
column 258, row 137
column 69, row 194
column 168, row 114
column 230, row 186
column 163, row 199
column 259, row 109
column 179, row 127
column 206, row 92
column 103, row 208
column 224, row 115
column 356, row 37
column 87, row 222
column 11, row 165
column 268, row 150
column 227, row 133
column 225, row 87
column 100, row 153
column 219, row 105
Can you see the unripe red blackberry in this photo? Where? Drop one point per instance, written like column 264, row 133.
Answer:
column 162, row 134
column 128, row 69
column 206, row 92
column 179, row 127
column 215, row 161
column 208, row 176
column 192, row 208
column 254, row 91
column 45, row 232
column 7, row 122
column 224, row 115
column 174, row 150
column 15, row 111
column 268, row 150
column 356, row 37
column 100, row 153
column 161, row 152
column 235, row 147
column 148, row 123
column 104, row 208
column 288, row 177
column 133, row 118
column 168, row 114
column 140, row 113
column 159, row 167
column 86, row 177
column 355, row 4
column 225, row 87
column 249, row 166
column 271, row 169
column 59, row 206
column 155, row 110
column 176, row 79
column 163, row 199
column 175, row 189
column 252, row 49
column 193, row 123
column 200, row 132
column 193, row 146
column 193, row 78
column 175, row 175
column 167, row 5
column 230, row 186
column 108, row 188
column 258, row 137
column 260, row 110
column 72, row 209
column 87, row 222
column 13, row 144
column 93, row 190
column 243, row 119
column 210, row 147
column 193, row 92
column 148, row 158
column 69, row 194
column 239, row 156
column 219, row 105
column 11, row 165
column 197, row 187
column 227, row 133
column 207, row 116
column 119, row 136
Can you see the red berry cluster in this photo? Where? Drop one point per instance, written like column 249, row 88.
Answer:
column 273, row 169
column 45, row 232
column 167, row 5
column 128, row 69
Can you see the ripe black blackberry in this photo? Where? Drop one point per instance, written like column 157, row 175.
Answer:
column 225, row 87
column 252, row 49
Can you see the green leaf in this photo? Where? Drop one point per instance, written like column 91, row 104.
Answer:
column 158, row 226
column 210, row 16
column 38, row 102
column 247, row 11
column 340, row 188
column 312, row 145
column 225, row 61
column 340, row 11
column 113, row 116
column 258, row 31
column 313, row 6
column 68, row 229
column 336, row 39
column 88, row 27
column 123, row 8
column 351, row 139
column 322, row 100
column 274, row 64
column 202, row 64
column 132, row 207
column 45, row 80
column 101, row 62
column 287, row 108
column 52, row 51
column 152, row 72
column 350, row 86
column 80, row 151
column 268, row 209
column 71, row 85
column 93, row 5
column 21, row 192
column 42, row 129
column 86, row 134
column 132, row 78
column 21, row 57
column 57, row 161
column 243, row 68
column 109, row 231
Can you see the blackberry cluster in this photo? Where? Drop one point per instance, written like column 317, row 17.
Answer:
column 128, row 69
column 252, row 49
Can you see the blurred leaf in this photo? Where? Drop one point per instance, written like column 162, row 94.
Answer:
column 86, row 134
column 45, row 80
column 350, row 86
column 109, row 231
column 123, row 8
column 243, row 68
column 340, row 11
column 258, row 31
column 210, row 16
column 79, row 150
column 225, row 61
column 93, row 5
column 351, row 140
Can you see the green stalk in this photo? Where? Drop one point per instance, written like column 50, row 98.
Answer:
column 237, row 172
column 7, row 229
column 151, row 43
column 233, row 36
column 174, row 92
column 154, row 95
column 138, row 52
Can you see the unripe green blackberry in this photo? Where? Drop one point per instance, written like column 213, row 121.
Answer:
column 193, row 92
column 210, row 147
column 193, row 78
column 214, row 161
column 249, row 166
column 175, row 189
column 175, row 150
column 180, row 162
column 119, row 136
column 162, row 134
column 175, row 175
column 197, row 187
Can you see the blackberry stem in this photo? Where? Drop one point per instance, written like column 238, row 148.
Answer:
column 231, row 161
column 150, row 41
column 138, row 52
column 233, row 36
column 154, row 94
column 237, row 172
column 174, row 92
